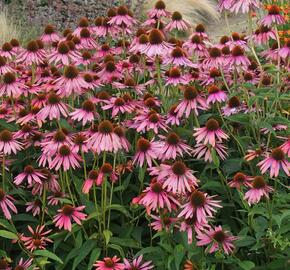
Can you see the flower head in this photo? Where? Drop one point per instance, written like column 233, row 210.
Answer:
column 68, row 213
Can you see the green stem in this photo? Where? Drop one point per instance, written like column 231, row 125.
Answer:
column 3, row 172
column 68, row 187
column 43, row 205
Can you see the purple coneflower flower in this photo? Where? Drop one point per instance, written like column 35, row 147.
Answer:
column 217, row 239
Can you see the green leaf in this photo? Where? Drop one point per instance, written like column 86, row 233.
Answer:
column 179, row 253
column 84, row 252
column 240, row 118
column 4, row 223
column 48, row 254
column 246, row 265
column 8, row 126
column 119, row 208
column 245, row 241
column 107, row 234
column 232, row 165
column 118, row 248
column 125, row 242
column 8, row 235
column 94, row 256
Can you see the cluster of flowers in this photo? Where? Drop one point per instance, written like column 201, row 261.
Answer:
column 101, row 84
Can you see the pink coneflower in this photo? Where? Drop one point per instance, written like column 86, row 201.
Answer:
column 104, row 50
column 273, row 17
column 162, row 223
column 192, row 102
column 34, row 53
column 259, row 188
column 7, row 51
column 201, row 204
column 56, row 198
column 106, row 170
column 8, row 143
column 172, row 117
column 272, row 53
column 205, row 151
column 234, row 106
column 90, row 181
column 93, row 82
column 109, row 264
column 29, row 174
column 86, row 114
column 177, row 178
column 275, row 127
column 11, row 86
column 4, row 67
column 138, row 264
column 252, row 154
column 50, row 36
column 215, row 58
column 263, row 35
column 140, row 44
column 251, row 77
column 195, row 45
column 54, row 140
column 68, row 213
column 238, row 59
column 6, row 204
column 200, row 30
column 175, row 77
column 63, row 54
column 155, row 197
column 105, row 139
column 71, row 82
column 35, row 207
column 86, row 40
column 156, row 46
column 285, row 147
column 53, row 109
column 285, row 51
column 146, row 152
column 130, row 83
column 211, row 76
column 217, row 239
column 48, row 183
column 123, row 18
column 146, row 121
column 191, row 225
column 80, row 142
column 110, row 29
column 244, row 6
column 274, row 163
column 37, row 240
column 240, row 180
column 211, row 133
column 237, row 40
column 121, row 134
column 177, row 23
column 26, row 131
column 178, row 57
column 109, row 73
column 83, row 23
column 224, row 5
column 66, row 158
column 118, row 106
column 158, row 11
column 172, row 146
column 23, row 265
column 215, row 95
column 98, row 29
